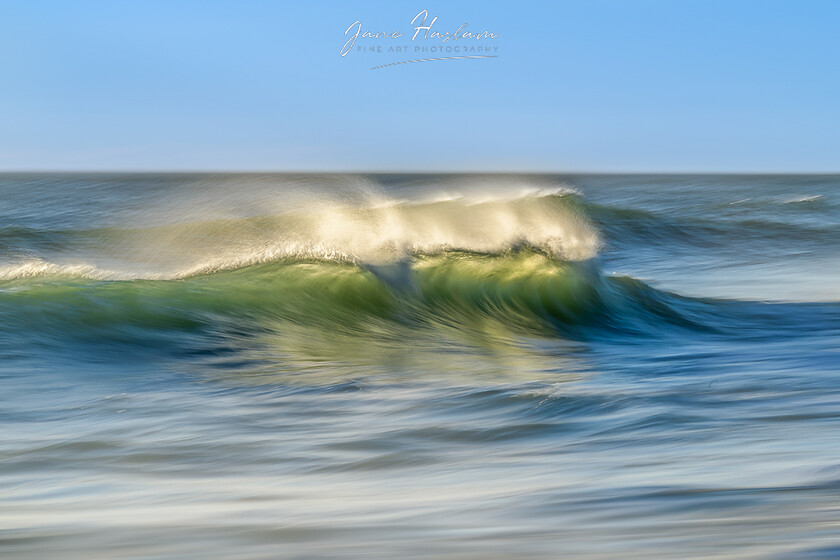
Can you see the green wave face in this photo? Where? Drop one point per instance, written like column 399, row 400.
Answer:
column 362, row 280
column 522, row 293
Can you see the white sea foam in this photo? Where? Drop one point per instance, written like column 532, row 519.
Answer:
column 38, row 267
column 360, row 225
column 807, row 198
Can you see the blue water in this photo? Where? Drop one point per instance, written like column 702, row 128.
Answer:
column 419, row 366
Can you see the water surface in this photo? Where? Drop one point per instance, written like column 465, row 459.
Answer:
column 417, row 366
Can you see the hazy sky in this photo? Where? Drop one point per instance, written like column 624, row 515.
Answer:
column 590, row 85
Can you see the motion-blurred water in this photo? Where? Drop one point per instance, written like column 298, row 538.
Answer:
column 417, row 366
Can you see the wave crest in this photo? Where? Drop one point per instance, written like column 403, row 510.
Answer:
column 367, row 228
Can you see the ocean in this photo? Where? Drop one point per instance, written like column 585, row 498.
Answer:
column 456, row 366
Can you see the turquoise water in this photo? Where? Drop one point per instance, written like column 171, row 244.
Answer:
column 418, row 366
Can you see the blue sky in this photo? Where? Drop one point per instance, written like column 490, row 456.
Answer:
column 594, row 85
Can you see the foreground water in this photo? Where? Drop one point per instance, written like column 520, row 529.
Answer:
column 277, row 366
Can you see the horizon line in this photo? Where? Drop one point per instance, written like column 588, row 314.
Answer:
column 406, row 172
